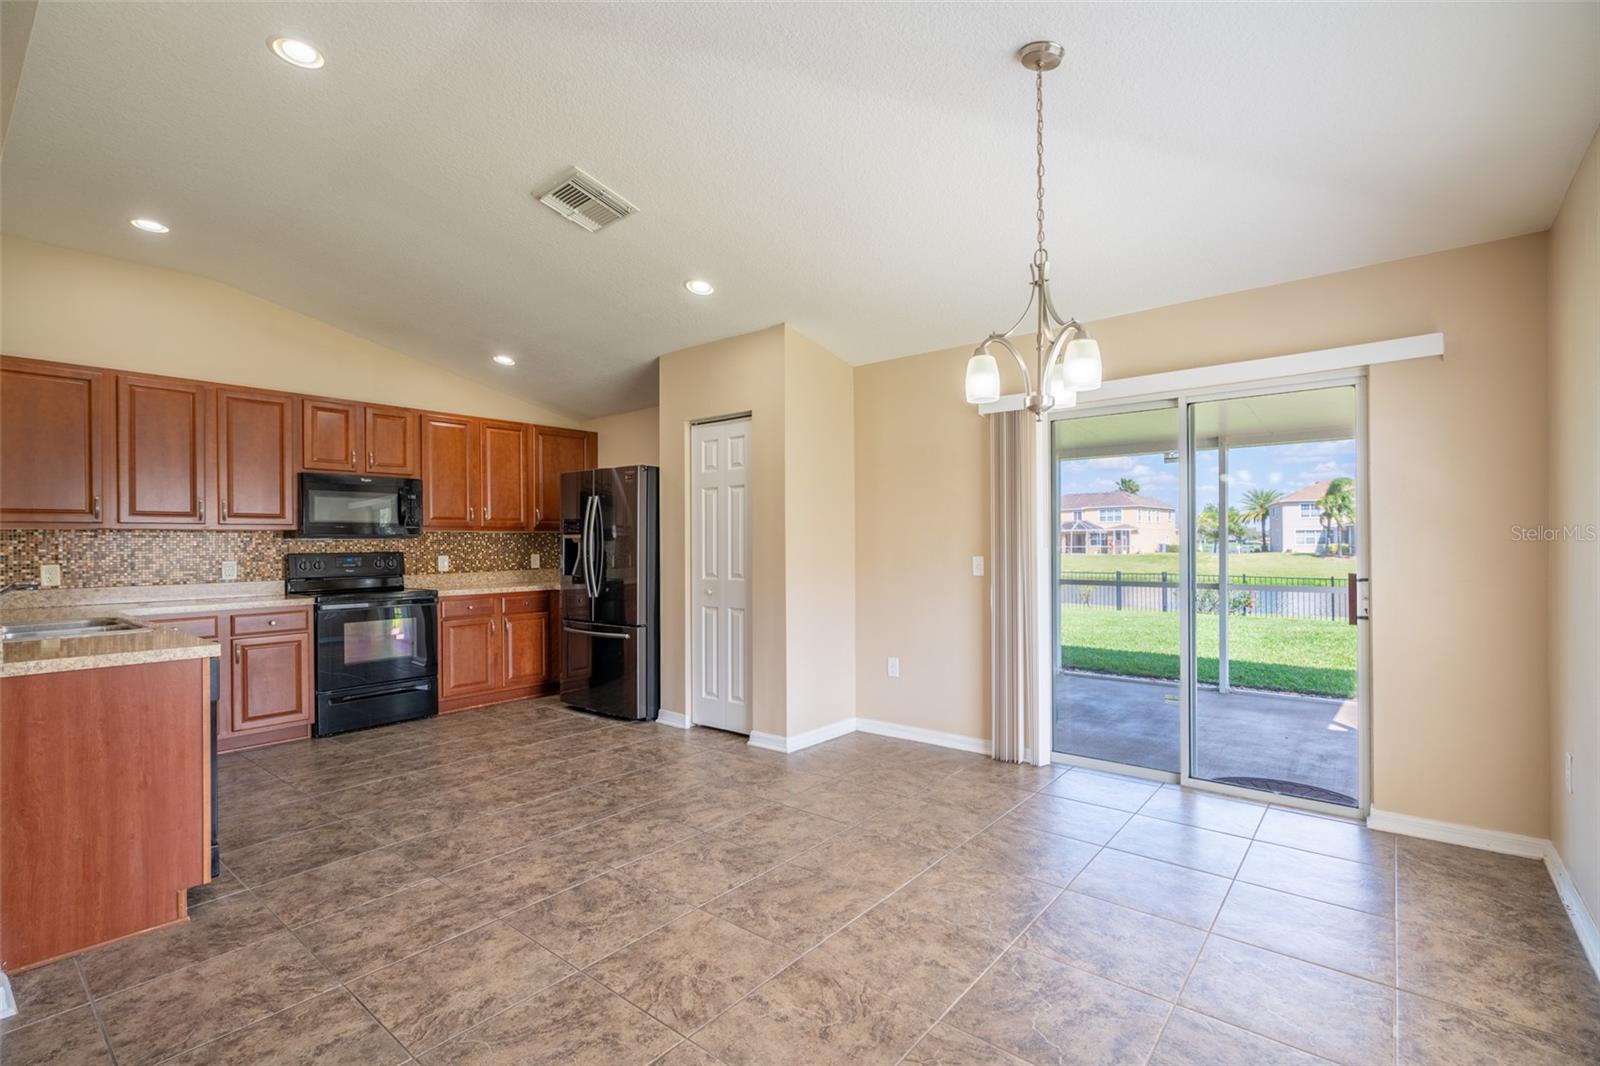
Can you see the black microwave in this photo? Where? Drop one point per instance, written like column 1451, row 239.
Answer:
column 354, row 505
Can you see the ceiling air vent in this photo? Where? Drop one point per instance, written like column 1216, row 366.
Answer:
column 581, row 198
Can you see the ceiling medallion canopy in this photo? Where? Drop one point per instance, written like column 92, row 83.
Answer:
column 1066, row 358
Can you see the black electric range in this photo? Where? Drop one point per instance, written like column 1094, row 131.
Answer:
column 376, row 640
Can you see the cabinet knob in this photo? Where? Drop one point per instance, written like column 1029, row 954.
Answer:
column 272, row 621
column 369, row 458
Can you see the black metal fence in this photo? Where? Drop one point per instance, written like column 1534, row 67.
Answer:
column 1271, row 597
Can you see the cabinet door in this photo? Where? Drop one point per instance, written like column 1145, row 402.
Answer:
column 330, row 435
column 255, row 459
column 467, row 661
column 524, row 648
column 449, row 489
column 272, row 682
column 504, row 481
column 557, row 451
column 391, row 436
column 161, row 452
column 52, row 420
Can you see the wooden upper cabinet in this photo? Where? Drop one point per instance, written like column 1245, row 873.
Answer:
column 503, row 463
column 255, row 458
column 53, row 425
column 162, row 458
column 392, row 444
column 449, row 475
column 556, row 452
column 330, row 435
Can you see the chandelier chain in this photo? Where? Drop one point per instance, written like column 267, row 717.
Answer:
column 1038, row 103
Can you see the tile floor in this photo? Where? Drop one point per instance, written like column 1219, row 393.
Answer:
column 524, row 884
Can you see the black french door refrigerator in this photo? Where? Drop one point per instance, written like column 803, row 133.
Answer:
column 610, row 591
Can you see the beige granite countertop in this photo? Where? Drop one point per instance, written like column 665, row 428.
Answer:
column 58, row 654
column 484, row 584
column 146, row 602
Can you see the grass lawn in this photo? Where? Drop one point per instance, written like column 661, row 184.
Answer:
column 1282, row 654
column 1256, row 564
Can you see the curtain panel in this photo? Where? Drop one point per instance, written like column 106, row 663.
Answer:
column 1014, row 632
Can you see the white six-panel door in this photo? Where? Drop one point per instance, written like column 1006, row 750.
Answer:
column 719, row 591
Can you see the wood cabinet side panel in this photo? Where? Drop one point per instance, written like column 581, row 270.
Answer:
column 102, row 770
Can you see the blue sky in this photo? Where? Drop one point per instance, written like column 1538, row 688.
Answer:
column 1285, row 467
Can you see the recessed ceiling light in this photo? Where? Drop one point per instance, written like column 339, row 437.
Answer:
column 149, row 225
column 700, row 287
column 299, row 53
column 505, row 360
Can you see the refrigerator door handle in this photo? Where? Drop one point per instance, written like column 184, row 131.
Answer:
column 597, row 633
column 590, row 584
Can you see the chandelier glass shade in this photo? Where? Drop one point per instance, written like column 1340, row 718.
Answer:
column 1066, row 359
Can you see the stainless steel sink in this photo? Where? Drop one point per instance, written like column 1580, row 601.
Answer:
column 85, row 627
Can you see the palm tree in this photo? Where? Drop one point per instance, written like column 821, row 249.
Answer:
column 1339, row 506
column 1258, row 508
column 1128, row 485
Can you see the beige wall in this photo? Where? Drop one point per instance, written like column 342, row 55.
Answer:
column 819, row 535
column 922, row 513
column 727, row 377
column 632, row 438
column 1575, row 501
column 74, row 307
column 1459, row 669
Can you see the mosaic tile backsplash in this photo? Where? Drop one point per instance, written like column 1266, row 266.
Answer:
column 96, row 558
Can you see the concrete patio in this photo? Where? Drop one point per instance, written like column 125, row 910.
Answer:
column 1303, row 740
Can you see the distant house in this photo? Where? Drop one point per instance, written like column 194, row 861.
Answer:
column 1116, row 523
column 1296, row 523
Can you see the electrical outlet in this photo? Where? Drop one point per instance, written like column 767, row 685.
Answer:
column 444, row 564
column 894, row 666
column 977, row 566
column 1567, row 764
column 230, row 570
column 533, row 560
column 50, row 576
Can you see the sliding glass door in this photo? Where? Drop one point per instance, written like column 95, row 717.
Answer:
column 1209, row 582
column 1273, row 505
column 1118, row 602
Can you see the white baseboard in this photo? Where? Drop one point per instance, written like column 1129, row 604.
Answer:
column 923, row 736
column 1583, row 923
column 800, row 741
column 1451, row 833
column 672, row 718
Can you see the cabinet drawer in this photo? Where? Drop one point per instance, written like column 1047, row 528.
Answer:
column 202, row 625
column 244, row 625
column 466, row 607
column 524, row 602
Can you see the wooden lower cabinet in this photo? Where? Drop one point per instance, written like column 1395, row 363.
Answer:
column 267, row 693
column 102, row 771
column 495, row 648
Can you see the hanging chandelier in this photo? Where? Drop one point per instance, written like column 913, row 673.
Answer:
column 1066, row 358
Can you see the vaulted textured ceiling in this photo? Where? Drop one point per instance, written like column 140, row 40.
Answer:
column 863, row 172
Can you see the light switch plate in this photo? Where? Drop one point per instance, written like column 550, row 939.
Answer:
column 533, row 560
column 444, row 564
column 894, row 666
column 230, row 570
column 50, row 576
column 977, row 566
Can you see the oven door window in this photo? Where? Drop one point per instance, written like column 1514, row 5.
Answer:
column 350, row 511
column 374, row 644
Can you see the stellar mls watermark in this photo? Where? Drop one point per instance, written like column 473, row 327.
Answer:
column 1576, row 534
